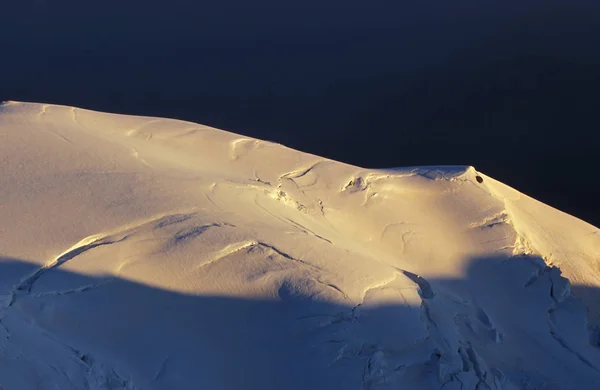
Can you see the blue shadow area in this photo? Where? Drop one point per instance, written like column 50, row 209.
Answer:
column 508, row 321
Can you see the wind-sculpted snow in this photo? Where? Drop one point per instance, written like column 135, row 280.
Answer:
column 145, row 253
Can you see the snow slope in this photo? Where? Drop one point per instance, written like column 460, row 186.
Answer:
column 146, row 253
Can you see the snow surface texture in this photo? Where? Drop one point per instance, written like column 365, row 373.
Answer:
column 144, row 253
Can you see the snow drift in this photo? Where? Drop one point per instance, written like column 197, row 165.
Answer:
column 146, row 253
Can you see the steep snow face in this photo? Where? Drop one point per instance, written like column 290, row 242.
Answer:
column 145, row 253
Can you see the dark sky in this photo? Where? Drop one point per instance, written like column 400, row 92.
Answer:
column 511, row 87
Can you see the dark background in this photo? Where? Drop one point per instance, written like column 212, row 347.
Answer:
column 511, row 87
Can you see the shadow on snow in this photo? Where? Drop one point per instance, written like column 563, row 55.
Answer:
column 508, row 321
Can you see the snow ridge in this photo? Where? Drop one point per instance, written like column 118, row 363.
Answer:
column 222, row 251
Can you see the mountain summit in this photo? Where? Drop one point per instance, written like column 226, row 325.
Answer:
column 148, row 253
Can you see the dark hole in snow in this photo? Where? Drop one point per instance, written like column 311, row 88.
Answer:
column 479, row 179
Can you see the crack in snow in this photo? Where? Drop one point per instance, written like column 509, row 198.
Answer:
column 499, row 218
column 195, row 231
column 566, row 346
column 71, row 291
column 161, row 368
column 83, row 246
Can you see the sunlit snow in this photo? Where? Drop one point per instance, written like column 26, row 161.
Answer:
column 146, row 253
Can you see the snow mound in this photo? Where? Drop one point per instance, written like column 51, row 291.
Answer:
column 147, row 253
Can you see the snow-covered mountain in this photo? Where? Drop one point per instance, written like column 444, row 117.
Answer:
column 146, row 253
